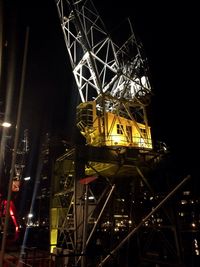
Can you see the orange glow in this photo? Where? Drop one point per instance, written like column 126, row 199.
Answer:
column 15, row 185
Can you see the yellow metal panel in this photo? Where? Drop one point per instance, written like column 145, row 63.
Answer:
column 54, row 217
column 53, row 239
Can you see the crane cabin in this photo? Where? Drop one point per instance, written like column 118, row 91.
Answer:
column 110, row 129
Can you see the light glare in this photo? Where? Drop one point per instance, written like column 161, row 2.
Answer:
column 6, row 124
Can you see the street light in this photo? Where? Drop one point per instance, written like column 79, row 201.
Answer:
column 6, row 124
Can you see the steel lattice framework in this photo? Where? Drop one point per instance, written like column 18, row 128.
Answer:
column 114, row 76
column 95, row 184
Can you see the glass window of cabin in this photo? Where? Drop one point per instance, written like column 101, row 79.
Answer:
column 119, row 129
column 143, row 132
column 129, row 132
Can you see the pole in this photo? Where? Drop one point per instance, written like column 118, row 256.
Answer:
column 14, row 153
column 85, row 223
column 1, row 37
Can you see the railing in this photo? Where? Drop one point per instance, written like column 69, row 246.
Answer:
column 138, row 142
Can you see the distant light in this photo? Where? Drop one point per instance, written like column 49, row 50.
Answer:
column 27, row 178
column 30, row 215
column 164, row 148
column 183, row 201
column 186, row 193
column 6, row 124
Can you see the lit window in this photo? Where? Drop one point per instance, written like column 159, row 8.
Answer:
column 119, row 129
column 129, row 132
column 143, row 132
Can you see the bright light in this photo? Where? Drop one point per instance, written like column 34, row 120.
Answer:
column 6, row 124
column 27, row 178
column 30, row 215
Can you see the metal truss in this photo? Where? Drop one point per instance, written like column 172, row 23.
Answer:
column 114, row 211
column 114, row 76
column 99, row 189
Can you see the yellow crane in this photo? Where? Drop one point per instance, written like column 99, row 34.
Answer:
column 94, row 184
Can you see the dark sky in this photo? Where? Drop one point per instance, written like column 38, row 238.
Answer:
column 168, row 36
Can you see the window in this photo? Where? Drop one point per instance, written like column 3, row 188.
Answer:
column 129, row 133
column 143, row 132
column 119, row 129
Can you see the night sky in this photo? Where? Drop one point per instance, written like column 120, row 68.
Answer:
column 168, row 36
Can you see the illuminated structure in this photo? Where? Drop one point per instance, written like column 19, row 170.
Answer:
column 112, row 81
column 99, row 188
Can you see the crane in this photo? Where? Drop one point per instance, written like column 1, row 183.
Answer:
column 94, row 185
column 112, row 80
